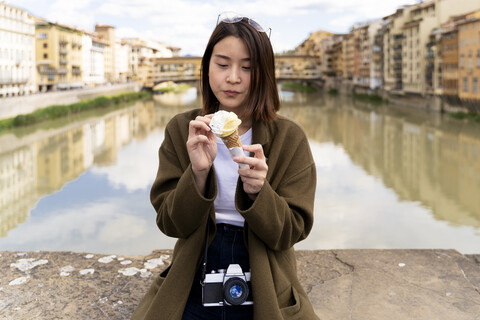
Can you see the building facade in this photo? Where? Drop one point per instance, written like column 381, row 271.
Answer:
column 58, row 56
column 17, row 51
column 107, row 34
column 469, row 55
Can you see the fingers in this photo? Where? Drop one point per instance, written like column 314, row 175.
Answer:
column 254, row 176
column 253, row 163
column 257, row 150
column 199, row 126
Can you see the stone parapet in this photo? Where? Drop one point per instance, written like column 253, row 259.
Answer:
column 342, row 284
column 11, row 107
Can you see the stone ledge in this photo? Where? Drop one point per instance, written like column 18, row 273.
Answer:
column 342, row 284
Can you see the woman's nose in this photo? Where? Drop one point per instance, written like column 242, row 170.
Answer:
column 233, row 76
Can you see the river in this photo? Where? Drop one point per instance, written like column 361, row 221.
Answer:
column 387, row 177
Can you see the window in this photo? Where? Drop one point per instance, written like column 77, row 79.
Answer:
column 45, row 45
column 465, row 84
column 42, row 36
column 45, row 56
column 475, row 85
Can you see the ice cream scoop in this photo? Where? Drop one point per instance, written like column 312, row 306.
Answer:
column 225, row 124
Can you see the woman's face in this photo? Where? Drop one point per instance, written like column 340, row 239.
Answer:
column 229, row 73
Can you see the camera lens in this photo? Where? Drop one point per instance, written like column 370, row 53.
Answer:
column 235, row 291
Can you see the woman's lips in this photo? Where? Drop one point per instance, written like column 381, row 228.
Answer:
column 231, row 93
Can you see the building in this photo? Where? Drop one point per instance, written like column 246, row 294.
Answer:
column 349, row 56
column 17, row 51
column 142, row 59
column 107, row 34
column 365, row 35
column 58, row 56
column 469, row 56
column 123, row 51
column 93, row 60
column 447, row 51
column 416, row 34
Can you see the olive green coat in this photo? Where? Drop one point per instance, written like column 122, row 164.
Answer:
column 281, row 216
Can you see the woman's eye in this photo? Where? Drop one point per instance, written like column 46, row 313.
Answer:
column 246, row 68
column 222, row 65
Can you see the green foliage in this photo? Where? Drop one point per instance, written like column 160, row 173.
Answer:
column 173, row 88
column 333, row 91
column 298, row 87
column 60, row 111
column 463, row 115
column 372, row 98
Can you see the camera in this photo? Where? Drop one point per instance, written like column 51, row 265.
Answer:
column 231, row 287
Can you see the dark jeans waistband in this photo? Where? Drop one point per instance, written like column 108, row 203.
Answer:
column 229, row 227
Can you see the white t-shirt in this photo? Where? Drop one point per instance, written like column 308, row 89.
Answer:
column 227, row 176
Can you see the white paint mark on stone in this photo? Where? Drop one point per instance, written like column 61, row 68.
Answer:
column 17, row 309
column 391, row 293
column 21, row 254
column 126, row 262
column 401, row 264
column 103, row 300
column 120, row 258
column 144, row 273
column 27, row 264
column 1, row 288
column 153, row 263
column 448, row 294
column 117, row 303
column 89, row 256
column 18, row 281
column 87, row 271
column 129, row 271
column 66, row 271
column 107, row 259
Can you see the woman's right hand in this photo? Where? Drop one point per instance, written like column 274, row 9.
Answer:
column 201, row 148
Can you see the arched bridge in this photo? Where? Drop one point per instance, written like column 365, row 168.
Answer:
column 187, row 69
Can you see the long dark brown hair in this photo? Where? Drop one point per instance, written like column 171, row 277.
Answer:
column 263, row 101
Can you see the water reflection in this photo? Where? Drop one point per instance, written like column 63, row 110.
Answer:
column 83, row 186
column 423, row 157
column 387, row 178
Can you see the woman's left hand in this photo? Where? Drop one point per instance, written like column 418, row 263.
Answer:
column 253, row 177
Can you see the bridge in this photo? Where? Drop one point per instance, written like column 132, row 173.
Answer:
column 299, row 68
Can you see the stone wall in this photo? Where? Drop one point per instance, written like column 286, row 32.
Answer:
column 13, row 106
column 341, row 284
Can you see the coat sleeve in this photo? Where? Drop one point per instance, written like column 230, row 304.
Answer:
column 179, row 205
column 282, row 213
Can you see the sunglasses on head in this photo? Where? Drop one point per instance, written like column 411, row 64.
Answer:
column 232, row 17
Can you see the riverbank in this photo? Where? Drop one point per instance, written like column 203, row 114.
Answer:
column 61, row 111
column 342, row 284
column 11, row 107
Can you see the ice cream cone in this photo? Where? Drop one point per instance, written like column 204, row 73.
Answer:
column 232, row 140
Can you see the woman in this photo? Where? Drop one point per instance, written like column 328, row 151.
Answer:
column 253, row 215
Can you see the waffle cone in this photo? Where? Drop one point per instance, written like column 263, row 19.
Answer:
column 232, row 140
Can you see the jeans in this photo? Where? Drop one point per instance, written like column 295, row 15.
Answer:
column 227, row 247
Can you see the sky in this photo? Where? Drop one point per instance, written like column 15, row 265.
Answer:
column 188, row 23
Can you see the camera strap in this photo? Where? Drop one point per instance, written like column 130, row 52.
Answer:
column 204, row 266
